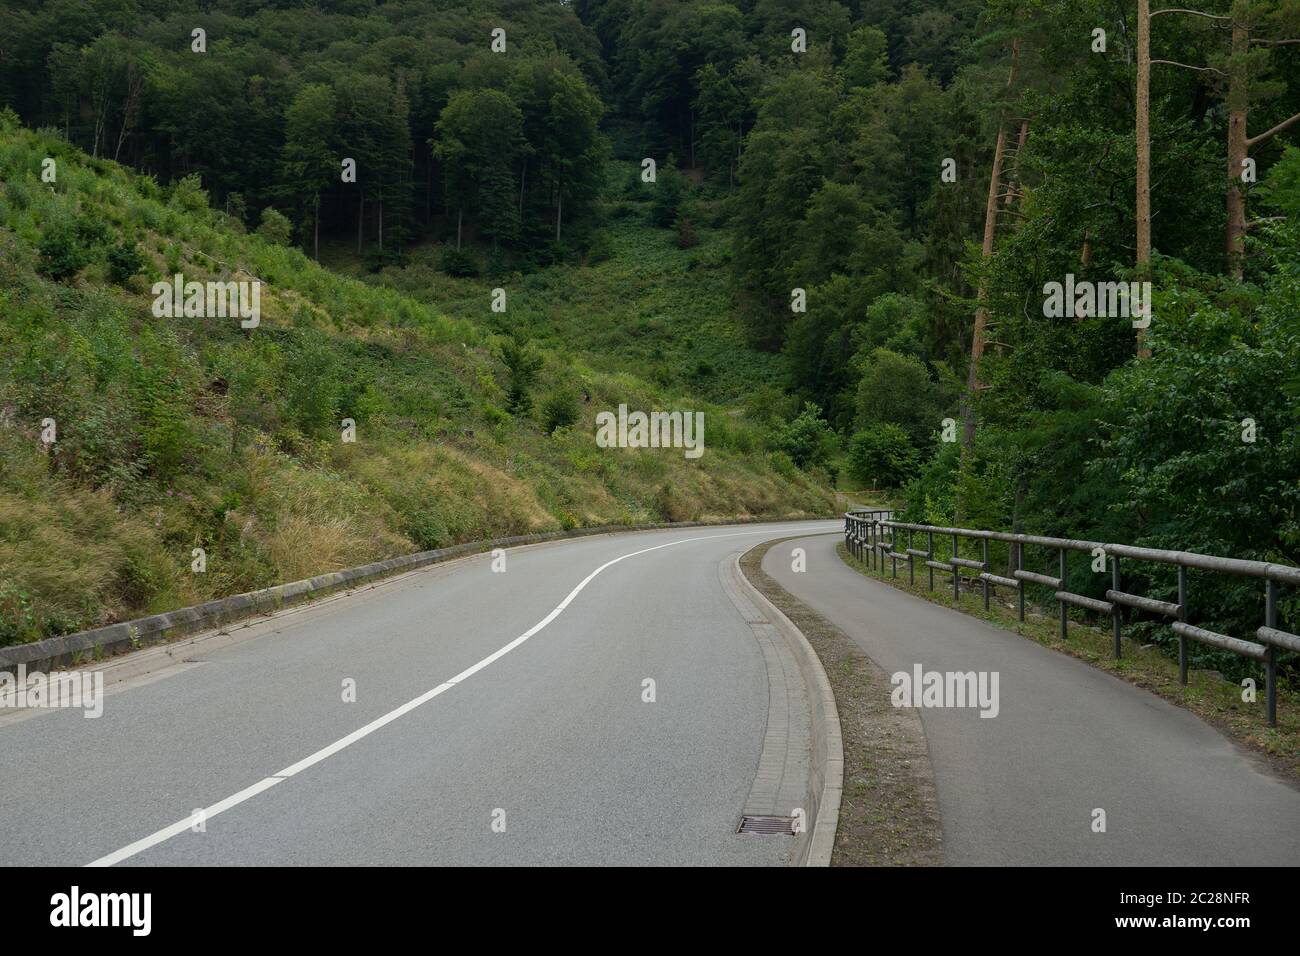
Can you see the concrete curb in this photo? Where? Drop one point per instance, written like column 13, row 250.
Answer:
column 826, row 783
column 47, row 654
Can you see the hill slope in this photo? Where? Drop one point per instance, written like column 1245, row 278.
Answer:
column 175, row 434
column 639, row 303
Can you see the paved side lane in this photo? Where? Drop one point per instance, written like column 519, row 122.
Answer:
column 1021, row 788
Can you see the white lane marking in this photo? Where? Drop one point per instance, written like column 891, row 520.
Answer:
column 180, row 826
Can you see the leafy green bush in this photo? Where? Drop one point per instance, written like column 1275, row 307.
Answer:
column 124, row 261
column 808, row 439
column 633, row 186
column 522, row 365
column 669, row 192
column 782, row 465
column 17, row 195
column 427, row 529
column 559, row 409
column 275, row 227
column 312, row 387
column 882, row 456
column 460, row 263
column 898, row 390
column 62, row 252
column 189, row 194
column 174, row 261
column 1282, row 187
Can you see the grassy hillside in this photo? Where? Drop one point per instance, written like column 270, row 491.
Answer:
column 176, row 434
column 638, row 304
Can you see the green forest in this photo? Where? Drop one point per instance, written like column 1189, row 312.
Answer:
column 829, row 225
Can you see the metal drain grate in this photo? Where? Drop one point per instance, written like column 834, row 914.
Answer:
column 761, row 824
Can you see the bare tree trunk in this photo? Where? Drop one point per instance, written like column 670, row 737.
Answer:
column 559, row 213
column 1143, row 145
column 1238, row 106
column 134, row 83
column 460, row 219
column 990, row 226
column 99, row 126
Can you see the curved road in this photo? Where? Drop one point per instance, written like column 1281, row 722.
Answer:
column 1021, row 787
column 516, row 698
column 483, row 699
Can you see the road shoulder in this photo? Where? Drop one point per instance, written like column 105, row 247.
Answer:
column 1271, row 750
column 888, row 810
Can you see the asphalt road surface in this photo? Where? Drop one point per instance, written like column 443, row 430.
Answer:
column 499, row 719
column 1068, row 739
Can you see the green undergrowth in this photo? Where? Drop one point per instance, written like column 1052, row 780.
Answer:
column 178, row 434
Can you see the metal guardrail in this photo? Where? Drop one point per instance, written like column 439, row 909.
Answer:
column 873, row 536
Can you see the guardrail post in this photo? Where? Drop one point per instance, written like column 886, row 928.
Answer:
column 929, row 546
column 1063, row 586
column 1117, row 610
column 1270, row 675
column 1182, row 616
column 1270, row 663
column 911, row 560
column 878, row 533
column 986, row 571
column 1020, row 588
column 956, row 575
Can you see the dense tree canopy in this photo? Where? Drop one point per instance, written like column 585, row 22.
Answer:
column 285, row 91
column 899, row 181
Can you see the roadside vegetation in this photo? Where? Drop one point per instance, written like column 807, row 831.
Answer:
column 814, row 263
column 188, row 433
